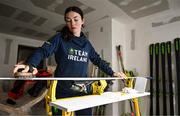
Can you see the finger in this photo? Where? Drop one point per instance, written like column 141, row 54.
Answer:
column 15, row 69
column 18, row 67
column 26, row 69
column 34, row 71
column 121, row 74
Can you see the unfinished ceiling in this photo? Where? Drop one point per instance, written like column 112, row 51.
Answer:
column 141, row 8
column 39, row 19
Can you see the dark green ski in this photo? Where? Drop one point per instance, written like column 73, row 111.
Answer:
column 169, row 59
column 157, row 77
column 177, row 53
column 151, row 54
column 163, row 69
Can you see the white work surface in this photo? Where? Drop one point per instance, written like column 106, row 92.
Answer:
column 83, row 102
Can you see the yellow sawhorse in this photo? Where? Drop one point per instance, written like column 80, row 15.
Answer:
column 97, row 86
column 51, row 96
column 130, row 84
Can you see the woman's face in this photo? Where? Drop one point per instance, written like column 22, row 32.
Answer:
column 74, row 22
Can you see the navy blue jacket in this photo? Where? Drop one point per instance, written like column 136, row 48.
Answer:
column 71, row 56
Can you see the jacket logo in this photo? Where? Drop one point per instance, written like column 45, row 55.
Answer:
column 77, row 55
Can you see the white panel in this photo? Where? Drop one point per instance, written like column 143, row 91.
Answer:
column 7, row 50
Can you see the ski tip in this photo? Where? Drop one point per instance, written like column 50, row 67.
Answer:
column 148, row 77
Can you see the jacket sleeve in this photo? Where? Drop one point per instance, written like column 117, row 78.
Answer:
column 96, row 60
column 47, row 49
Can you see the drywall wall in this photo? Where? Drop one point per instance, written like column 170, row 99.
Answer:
column 105, row 35
column 161, row 27
column 8, row 57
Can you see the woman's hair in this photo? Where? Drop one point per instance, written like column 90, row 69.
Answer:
column 66, row 33
column 74, row 9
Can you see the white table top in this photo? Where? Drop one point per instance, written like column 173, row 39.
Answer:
column 83, row 102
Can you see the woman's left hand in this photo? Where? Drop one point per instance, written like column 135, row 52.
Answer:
column 119, row 74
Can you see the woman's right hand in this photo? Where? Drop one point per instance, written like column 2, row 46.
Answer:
column 25, row 68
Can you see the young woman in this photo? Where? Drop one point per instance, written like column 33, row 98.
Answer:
column 72, row 52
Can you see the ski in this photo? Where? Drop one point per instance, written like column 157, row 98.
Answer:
column 157, row 77
column 120, row 59
column 163, row 50
column 171, row 99
column 119, row 53
column 177, row 54
column 151, row 52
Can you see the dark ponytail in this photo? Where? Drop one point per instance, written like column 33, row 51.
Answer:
column 66, row 33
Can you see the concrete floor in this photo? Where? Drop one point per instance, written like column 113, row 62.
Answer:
column 38, row 110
